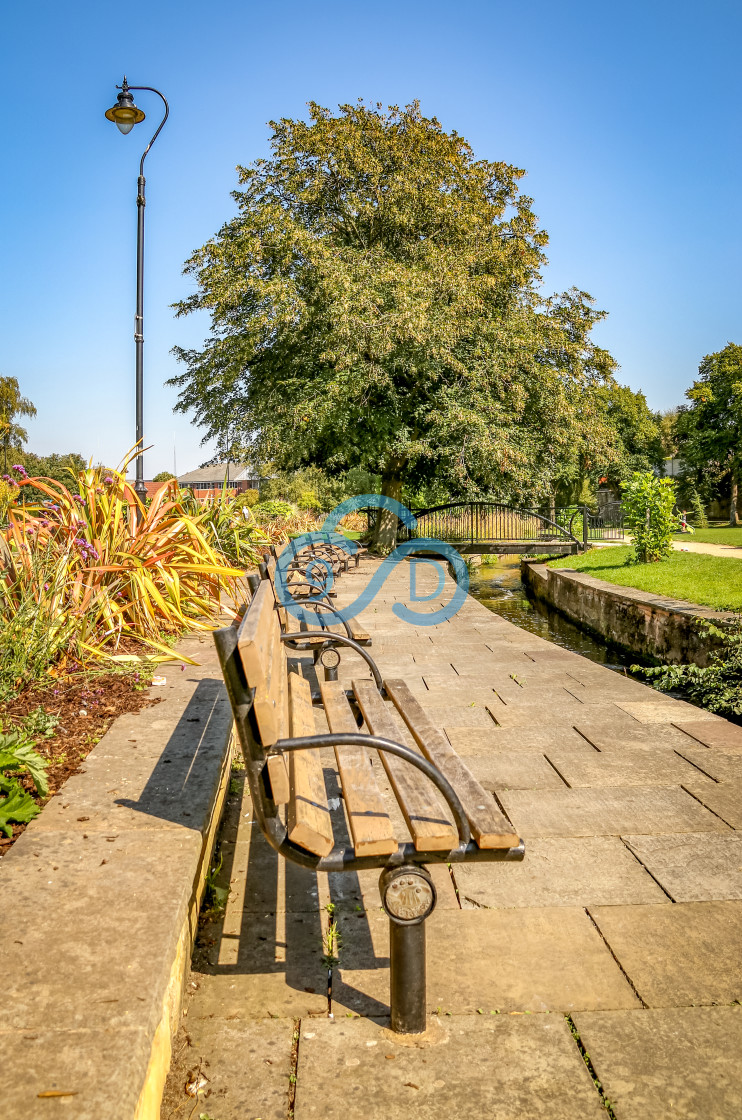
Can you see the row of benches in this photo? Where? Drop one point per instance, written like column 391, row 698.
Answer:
column 449, row 817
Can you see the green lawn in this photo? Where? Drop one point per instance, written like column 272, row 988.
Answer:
column 711, row 581
column 715, row 534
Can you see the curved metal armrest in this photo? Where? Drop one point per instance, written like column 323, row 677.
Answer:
column 324, row 607
column 338, row 639
column 349, row 739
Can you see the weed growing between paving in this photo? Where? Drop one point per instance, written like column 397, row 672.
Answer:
column 331, row 946
column 586, row 1059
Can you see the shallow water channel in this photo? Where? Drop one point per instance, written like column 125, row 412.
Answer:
column 498, row 587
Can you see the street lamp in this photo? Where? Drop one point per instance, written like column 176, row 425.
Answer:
column 125, row 115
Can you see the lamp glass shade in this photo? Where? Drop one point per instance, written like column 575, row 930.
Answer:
column 125, row 126
column 125, row 113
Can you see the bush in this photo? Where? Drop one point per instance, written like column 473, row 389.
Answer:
column 163, row 476
column 247, row 499
column 697, row 512
column 648, row 504
column 273, row 509
column 718, row 686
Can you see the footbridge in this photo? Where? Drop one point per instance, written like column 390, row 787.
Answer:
column 489, row 527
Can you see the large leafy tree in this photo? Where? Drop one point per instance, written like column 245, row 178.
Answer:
column 710, row 428
column 12, row 405
column 375, row 303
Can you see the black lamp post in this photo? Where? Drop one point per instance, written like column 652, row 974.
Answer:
column 125, row 115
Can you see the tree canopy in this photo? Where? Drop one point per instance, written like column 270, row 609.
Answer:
column 12, row 405
column 375, row 303
column 709, row 429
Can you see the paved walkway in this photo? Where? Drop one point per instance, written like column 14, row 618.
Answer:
column 687, row 544
column 619, row 934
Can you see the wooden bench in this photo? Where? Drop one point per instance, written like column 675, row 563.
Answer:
column 328, row 619
column 449, row 817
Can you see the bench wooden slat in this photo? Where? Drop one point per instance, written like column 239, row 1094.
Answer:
column 427, row 816
column 371, row 829
column 308, row 816
column 489, row 826
column 254, row 636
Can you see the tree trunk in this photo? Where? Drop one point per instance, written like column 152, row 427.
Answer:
column 384, row 538
column 733, row 515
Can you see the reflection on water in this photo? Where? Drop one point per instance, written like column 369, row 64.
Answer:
column 498, row 587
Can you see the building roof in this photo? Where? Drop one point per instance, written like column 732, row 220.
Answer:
column 238, row 472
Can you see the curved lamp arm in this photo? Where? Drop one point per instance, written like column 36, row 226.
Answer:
column 151, row 89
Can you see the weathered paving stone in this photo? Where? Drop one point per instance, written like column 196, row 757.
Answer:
column 607, row 736
column 722, row 798
column 679, row 955
column 724, row 766
column 712, row 732
column 56, row 887
column 662, row 711
column 470, row 741
column 246, row 1065
column 502, row 1068
column 667, row 1064
column 661, row 767
column 519, row 770
column 606, row 811
column 556, row 872
column 530, row 959
column 89, row 1065
column 693, row 867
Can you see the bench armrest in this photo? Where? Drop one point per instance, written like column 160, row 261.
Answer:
column 347, row 739
column 337, row 639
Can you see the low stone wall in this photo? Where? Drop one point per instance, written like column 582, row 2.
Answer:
column 100, row 900
column 645, row 624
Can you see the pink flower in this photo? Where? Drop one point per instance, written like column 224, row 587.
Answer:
column 108, row 480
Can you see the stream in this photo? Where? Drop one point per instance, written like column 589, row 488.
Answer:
column 498, row 587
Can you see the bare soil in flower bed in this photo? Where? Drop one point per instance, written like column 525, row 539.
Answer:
column 86, row 704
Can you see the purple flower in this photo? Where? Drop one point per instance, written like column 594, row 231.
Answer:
column 46, row 588
column 108, row 480
column 80, row 499
column 7, row 478
column 20, row 469
column 30, row 529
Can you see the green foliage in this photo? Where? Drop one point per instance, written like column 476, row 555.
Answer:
column 697, row 511
column 229, row 526
column 626, row 438
column 718, row 686
column 17, row 757
column 648, row 503
column 376, row 304
column 12, row 405
column 247, row 499
column 270, row 510
column 163, row 476
column 709, row 429
column 313, row 489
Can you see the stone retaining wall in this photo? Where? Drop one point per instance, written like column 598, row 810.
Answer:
column 100, row 900
column 645, row 624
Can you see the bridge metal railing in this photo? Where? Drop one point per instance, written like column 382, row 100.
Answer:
column 606, row 523
column 473, row 522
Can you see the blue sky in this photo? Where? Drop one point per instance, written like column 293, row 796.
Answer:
column 625, row 116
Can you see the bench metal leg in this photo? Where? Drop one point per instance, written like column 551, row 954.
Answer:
column 408, row 896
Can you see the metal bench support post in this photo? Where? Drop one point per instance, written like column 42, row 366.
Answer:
column 408, row 896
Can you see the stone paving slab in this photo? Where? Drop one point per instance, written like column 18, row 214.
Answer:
column 481, row 742
column 661, row 767
column 74, row 919
column 85, row 1064
column 713, row 733
column 536, row 959
column 665, row 1064
column 664, row 711
column 514, row 770
column 464, row 1068
column 722, row 798
column 678, row 955
column 246, row 1066
column 605, row 736
column 724, row 766
column 557, row 872
column 692, row 867
column 606, row 811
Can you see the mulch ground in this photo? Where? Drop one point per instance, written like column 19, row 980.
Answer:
column 86, row 706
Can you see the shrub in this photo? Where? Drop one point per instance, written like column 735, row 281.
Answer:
column 163, row 476
column 83, row 572
column 17, row 757
column 648, row 504
column 271, row 510
column 248, row 498
column 697, row 511
column 718, row 686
